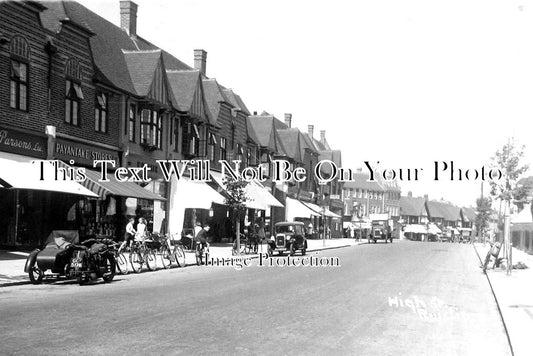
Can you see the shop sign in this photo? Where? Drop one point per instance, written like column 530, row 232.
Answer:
column 82, row 154
column 22, row 143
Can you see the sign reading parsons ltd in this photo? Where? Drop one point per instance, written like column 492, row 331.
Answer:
column 22, row 143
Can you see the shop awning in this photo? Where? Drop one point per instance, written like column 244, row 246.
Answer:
column 259, row 197
column 198, row 195
column 186, row 194
column 415, row 229
column 20, row 172
column 114, row 187
column 328, row 213
column 433, row 229
column 296, row 209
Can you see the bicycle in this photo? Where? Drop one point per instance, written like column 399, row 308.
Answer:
column 202, row 253
column 120, row 259
column 141, row 254
column 160, row 246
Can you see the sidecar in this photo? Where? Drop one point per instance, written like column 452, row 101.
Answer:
column 55, row 257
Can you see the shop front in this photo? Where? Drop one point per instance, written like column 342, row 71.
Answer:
column 117, row 200
column 31, row 204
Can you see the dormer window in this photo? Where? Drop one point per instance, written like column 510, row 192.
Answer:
column 73, row 92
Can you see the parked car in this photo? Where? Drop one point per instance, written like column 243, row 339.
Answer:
column 55, row 256
column 289, row 237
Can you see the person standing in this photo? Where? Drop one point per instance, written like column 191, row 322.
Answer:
column 141, row 230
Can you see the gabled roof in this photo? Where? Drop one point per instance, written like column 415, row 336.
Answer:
column 266, row 134
column 413, row 206
column 235, row 100
column 147, row 73
column 292, row 142
column 308, row 143
column 444, row 210
column 106, row 45
column 360, row 181
column 188, row 92
column 469, row 214
column 214, row 95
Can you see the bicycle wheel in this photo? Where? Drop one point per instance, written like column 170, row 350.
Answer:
column 166, row 257
column 179, row 255
column 149, row 258
column 247, row 248
column 136, row 261
column 122, row 263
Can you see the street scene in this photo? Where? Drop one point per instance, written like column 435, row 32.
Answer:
column 355, row 181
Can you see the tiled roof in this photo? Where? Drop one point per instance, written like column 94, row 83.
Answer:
column 264, row 128
column 444, row 210
column 309, row 143
column 291, row 141
column 214, row 94
column 469, row 213
column 107, row 43
column 236, row 100
column 412, row 206
column 142, row 66
column 360, row 181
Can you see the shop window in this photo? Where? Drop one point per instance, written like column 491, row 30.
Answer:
column 132, row 121
column 100, row 113
column 19, row 82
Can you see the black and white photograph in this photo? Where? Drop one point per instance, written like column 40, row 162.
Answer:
column 244, row 177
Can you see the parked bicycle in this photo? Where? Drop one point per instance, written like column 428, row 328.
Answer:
column 120, row 258
column 202, row 254
column 178, row 252
column 141, row 254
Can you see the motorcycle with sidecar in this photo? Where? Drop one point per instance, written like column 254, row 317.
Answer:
column 55, row 257
column 93, row 259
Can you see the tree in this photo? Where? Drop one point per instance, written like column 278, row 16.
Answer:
column 483, row 215
column 236, row 201
column 508, row 161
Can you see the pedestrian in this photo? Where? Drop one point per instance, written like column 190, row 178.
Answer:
column 352, row 232
column 141, row 230
column 129, row 235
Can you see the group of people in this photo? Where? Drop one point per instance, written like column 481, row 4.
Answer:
column 133, row 234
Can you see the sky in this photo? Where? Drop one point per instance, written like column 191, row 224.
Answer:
column 405, row 83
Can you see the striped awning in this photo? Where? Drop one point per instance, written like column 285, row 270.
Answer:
column 116, row 188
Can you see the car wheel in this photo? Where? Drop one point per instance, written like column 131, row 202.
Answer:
column 36, row 275
column 292, row 249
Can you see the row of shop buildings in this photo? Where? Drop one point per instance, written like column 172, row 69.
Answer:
column 422, row 217
column 76, row 88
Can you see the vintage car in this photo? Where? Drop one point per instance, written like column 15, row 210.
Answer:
column 55, row 256
column 289, row 237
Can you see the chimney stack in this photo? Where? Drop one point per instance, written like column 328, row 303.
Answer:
column 310, row 129
column 322, row 136
column 288, row 120
column 200, row 61
column 128, row 17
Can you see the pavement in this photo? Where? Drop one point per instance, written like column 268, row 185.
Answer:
column 514, row 296
column 12, row 262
